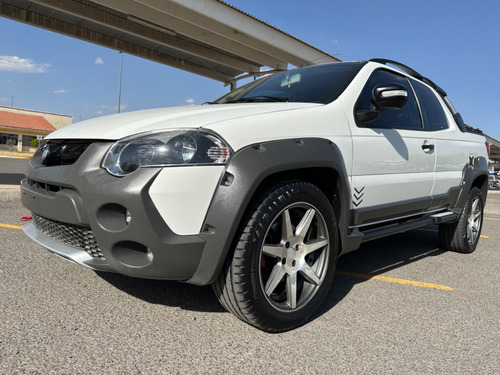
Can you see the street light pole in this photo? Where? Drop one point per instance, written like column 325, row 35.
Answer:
column 120, row 87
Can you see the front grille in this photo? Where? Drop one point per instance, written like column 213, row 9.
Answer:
column 72, row 235
column 44, row 186
column 61, row 152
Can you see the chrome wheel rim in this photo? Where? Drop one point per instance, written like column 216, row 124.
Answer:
column 294, row 257
column 474, row 221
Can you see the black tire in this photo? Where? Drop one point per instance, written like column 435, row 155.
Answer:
column 463, row 235
column 284, row 258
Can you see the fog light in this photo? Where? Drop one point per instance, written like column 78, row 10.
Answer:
column 132, row 254
column 113, row 217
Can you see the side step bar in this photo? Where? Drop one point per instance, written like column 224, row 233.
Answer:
column 438, row 218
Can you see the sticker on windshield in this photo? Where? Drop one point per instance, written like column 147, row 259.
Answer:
column 290, row 79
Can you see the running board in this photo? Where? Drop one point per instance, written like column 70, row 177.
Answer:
column 444, row 217
column 439, row 218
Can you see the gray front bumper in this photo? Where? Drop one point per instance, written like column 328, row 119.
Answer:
column 83, row 195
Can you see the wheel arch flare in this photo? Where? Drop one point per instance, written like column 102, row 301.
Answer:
column 254, row 168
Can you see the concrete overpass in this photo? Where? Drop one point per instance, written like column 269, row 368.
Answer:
column 206, row 37
column 494, row 149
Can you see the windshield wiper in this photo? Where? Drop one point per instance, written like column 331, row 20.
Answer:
column 259, row 98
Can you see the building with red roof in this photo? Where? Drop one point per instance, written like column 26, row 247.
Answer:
column 19, row 126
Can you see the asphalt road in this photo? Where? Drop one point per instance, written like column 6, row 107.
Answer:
column 59, row 318
column 12, row 170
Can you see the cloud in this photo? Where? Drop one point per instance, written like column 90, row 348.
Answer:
column 20, row 65
column 99, row 61
column 61, row 91
column 190, row 101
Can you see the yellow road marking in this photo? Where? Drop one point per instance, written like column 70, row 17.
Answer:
column 394, row 280
column 10, row 226
column 490, row 218
column 435, row 231
column 16, row 156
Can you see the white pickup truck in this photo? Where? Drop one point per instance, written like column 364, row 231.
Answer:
column 260, row 191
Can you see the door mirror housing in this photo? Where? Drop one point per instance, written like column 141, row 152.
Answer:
column 384, row 97
column 387, row 97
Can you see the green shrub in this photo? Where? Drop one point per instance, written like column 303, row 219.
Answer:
column 34, row 142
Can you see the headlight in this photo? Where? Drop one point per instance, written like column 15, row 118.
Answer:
column 177, row 147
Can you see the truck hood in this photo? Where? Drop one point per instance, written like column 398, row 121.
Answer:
column 118, row 126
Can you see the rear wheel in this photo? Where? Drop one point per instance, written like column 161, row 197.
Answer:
column 284, row 260
column 463, row 235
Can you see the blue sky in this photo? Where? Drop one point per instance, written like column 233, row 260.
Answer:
column 454, row 43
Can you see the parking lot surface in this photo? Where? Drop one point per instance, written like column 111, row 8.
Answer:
column 399, row 305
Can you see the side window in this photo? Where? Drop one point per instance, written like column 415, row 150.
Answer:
column 407, row 117
column 432, row 111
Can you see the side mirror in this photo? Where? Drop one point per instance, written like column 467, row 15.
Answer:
column 386, row 97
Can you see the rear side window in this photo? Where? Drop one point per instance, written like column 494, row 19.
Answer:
column 432, row 110
column 407, row 117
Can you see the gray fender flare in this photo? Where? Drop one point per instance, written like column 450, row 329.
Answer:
column 247, row 170
column 476, row 168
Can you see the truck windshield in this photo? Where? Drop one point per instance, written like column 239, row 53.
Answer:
column 314, row 84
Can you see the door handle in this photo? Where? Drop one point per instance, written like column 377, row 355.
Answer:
column 427, row 146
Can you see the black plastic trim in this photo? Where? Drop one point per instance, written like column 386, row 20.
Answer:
column 472, row 173
column 386, row 212
column 407, row 225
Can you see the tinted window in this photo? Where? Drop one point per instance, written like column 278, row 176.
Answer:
column 314, row 84
column 432, row 111
column 407, row 117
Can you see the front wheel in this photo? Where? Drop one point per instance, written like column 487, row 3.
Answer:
column 463, row 235
column 284, row 260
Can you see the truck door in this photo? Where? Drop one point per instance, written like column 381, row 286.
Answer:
column 393, row 156
column 451, row 146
